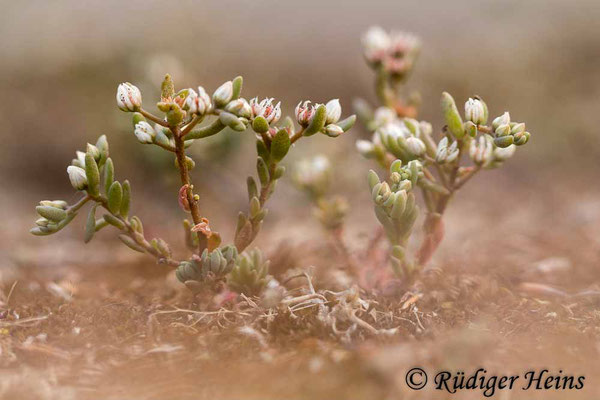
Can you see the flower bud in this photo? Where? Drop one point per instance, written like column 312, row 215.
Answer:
column 383, row 116
column 239, row 107
column 504, row 119
column 197, row 103
column 223, row 94
column 415, row 146
column 77, row 177
column 517, row 128
column 304, row 113
column 80, row 161
column 475, row 111
column 93, row 150
column 129, row 97
column 144, row 132
column 502, row 130
column 503, row 154
column 376, row 43
column 521, row 138
column 504, row 141
column 334, row 111
column 332, row 130
column 481, row 150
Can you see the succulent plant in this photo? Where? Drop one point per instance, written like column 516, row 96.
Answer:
column 250, row 273
column 180, row 125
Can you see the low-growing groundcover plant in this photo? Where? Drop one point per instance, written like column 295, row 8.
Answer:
column 211, row 263
column 417, row 163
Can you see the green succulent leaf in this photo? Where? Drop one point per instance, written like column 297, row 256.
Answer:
column 115, row 197
column 280, row 145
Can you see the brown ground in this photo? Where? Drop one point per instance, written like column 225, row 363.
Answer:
column 522, row 294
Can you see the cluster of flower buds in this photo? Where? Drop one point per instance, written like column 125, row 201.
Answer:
column 395, row 206
column 322, row 118
column 485, row 153
column 54, row 215
column 197, row 103
column 86, row 163
column 405, row 138
column 188, row 106
column 508, row 133
column 213, row 265
column 313, row 175
column 396, row 52
column 249, row 274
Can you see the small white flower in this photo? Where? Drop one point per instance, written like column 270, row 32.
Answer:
column 376, row 43
column 266, row 109
column 504, row 119
column 415, row 146
column 223, row 94
column 305, row 113
column 239, row 107
column 144, row 132
column 129, row 97
column 77, row 177
column 334, row 111
column 475, row 111
column 333, row 130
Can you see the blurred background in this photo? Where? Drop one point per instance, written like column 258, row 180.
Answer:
column 62, row 61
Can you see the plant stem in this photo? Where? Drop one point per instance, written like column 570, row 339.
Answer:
column 185, row 180
column 75, row 207
column 153, row 118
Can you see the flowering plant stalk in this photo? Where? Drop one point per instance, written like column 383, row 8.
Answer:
column 180, row 125
column 415, row 158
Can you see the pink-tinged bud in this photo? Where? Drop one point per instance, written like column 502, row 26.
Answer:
column 203, row 227
column 266, row 109
column 334, row 111
column 223, row 94
column 129, row 97
column 239, row 107
column 376, row 43
column 144, row 132
column 197, row 103
column 183, row 198
column 77, row 177
column 305, row 113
